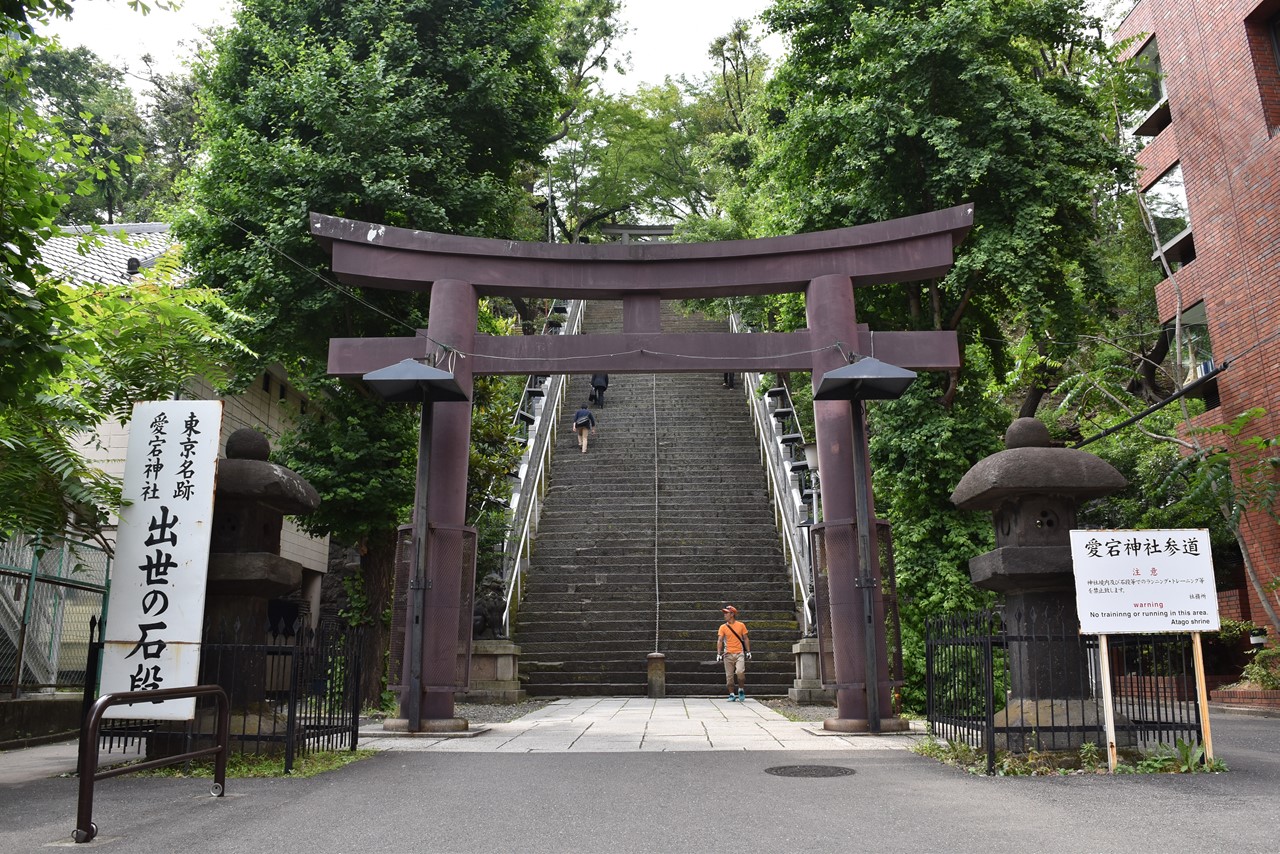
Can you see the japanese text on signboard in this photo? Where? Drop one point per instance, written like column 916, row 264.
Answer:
column 157, row 602
column 1144, row 581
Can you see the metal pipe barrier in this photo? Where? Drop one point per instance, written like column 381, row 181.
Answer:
column 86, row 830
column 539, row 410
column 784, row 478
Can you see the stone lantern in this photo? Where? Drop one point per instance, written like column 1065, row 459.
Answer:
column 246, row 570
column 1033, row 492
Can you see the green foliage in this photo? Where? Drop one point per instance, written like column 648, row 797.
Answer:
column 1183, row 757
column 625, row 158
column 888, row 109
column 1239, row 474
column 255, row 765
column 337, row 447
column 919, row 452
column 1233, row 631
column 118, row 344
column 31, row 197
column 415, row 113
column 584, row 34
column 1263, row 669
column 91, row 101
column 951, row 753
column 1090, row 756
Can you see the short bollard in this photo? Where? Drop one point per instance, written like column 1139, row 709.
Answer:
column 657, row 676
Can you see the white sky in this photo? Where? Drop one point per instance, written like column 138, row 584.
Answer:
column 668, row 37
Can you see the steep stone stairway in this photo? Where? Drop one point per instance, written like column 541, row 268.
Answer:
column 642, row 542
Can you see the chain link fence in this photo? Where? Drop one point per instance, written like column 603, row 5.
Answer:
column 47, row 600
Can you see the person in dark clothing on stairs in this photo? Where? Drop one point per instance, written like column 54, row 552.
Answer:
column 599, row 382
column 728, row 380
column 733, row 647
column 584, row 423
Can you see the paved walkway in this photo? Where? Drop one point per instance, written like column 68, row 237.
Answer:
column 584, row 725
column 595, row 725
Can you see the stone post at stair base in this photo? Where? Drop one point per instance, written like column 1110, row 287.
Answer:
column 807, row 687
column 495, row 673
column 657, row 675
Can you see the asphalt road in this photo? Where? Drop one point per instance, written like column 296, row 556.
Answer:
column 894, row 801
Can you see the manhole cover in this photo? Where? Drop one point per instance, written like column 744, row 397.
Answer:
column 808, row 771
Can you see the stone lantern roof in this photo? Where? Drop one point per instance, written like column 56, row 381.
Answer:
column 1029, row 466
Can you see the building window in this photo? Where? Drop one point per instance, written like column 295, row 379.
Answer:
column 1273, row 29
column 1263, row 28
column 1167, row 203
column 1152, row 111
column 266, row 383
column 1196, row 353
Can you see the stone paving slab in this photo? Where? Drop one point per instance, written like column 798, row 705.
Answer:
column 590, row 724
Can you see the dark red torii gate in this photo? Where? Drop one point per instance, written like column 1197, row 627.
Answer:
column 826, row 266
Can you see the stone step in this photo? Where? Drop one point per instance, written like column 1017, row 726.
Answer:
column 701, row 493
column 676, row 636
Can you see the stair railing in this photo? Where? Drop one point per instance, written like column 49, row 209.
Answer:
column 535, row 425
column 792, row 484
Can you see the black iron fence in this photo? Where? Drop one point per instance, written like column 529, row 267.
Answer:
column 1029, row 681
column 294, row 692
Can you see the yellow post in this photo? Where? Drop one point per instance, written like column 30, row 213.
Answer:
column 1109, row 715
column 1202, row 696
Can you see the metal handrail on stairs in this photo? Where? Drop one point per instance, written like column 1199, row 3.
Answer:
column 777, row 428
column 535, row 422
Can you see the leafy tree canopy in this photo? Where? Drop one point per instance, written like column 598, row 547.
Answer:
column 893, row 108
column 415, row 113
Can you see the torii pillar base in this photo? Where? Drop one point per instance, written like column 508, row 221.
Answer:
column 426, row 725
column 887, row 725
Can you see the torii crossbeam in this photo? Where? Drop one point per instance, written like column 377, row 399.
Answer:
column 826, row 266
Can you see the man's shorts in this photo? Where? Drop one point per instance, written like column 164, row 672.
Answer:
column 734, row 662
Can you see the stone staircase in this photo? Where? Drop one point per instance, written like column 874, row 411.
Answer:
column 619, row 572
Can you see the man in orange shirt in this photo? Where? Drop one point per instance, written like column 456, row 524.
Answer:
column 733, row 647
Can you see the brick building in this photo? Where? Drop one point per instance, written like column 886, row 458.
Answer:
column 1210, row 171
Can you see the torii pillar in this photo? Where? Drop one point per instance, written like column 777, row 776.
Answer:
column 826, row 266
column 831, row 315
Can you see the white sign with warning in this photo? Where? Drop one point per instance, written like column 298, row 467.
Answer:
column 1131, row 582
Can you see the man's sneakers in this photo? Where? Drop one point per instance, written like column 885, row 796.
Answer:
column 742, row 696
column 733, row 698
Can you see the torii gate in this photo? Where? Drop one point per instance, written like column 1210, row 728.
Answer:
column 826, row 266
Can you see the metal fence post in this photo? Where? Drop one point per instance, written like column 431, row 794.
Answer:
column 989, row 688
column 92, row 658
column 353, row 686
column 297, row 662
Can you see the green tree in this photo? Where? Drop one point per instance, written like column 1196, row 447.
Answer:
column 886, row 109
column 92, row 103
column 70, row 356
column 724, row 119
column 626, row 158
column 415, row 113
column 585, row 34
column 118, row 344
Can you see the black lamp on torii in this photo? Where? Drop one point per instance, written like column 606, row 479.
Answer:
column 412, row 381
column 866, row 378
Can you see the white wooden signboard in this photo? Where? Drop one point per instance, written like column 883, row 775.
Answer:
column 1148, row 581
column 1144, row 581
column 156, row 609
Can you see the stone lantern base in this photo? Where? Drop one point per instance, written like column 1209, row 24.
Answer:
column 1036, row 719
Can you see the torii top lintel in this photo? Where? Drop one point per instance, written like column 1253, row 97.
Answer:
column 900, row 250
